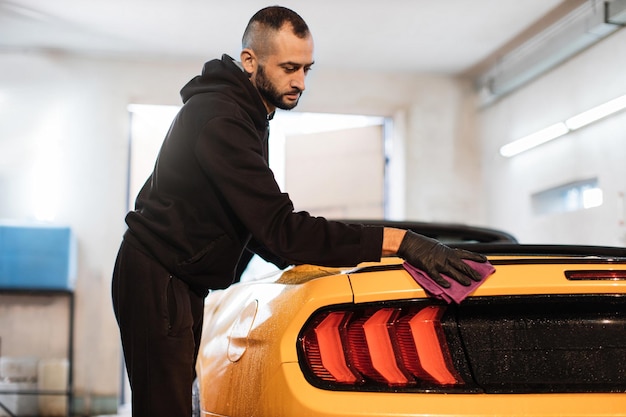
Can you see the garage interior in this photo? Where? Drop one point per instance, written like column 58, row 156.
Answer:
column 499, row 113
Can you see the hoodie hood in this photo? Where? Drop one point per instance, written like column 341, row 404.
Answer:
column 225, row 76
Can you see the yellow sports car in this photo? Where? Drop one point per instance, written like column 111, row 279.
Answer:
column 545, row 335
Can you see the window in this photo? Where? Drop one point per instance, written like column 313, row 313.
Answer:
column 573, row 196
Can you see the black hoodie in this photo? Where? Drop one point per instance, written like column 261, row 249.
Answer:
column 212, row 193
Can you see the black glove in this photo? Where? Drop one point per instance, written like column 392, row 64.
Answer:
column 435, row 258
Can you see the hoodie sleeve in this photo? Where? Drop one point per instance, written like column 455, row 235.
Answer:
column 231, row 155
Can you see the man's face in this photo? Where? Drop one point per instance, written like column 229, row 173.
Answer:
column 280, row 76
column 285, row 100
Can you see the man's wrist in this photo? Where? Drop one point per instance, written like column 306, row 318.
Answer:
column 392, row 238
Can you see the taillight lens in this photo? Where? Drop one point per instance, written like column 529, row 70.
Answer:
column 599, row 275
column 552, row 343
column 378, row 348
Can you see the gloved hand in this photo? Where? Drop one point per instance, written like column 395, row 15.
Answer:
column 435, row 258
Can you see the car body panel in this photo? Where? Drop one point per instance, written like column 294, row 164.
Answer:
column 281, row 307
column 291, row 395
column 509, row 279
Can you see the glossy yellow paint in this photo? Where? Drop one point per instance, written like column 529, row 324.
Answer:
column 232, row 388
column 507, row 280
column 291, row 395
column 248, row 364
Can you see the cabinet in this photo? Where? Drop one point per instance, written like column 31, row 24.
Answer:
column 15, row 325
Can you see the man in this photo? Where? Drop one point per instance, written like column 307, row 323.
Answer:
column 212, row 195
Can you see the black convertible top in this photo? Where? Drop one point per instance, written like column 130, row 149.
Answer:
column 446, row 232
column 490, row 241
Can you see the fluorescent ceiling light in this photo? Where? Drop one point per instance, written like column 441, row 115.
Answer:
column 528, row 142
column 597, row 113
column 562, row 128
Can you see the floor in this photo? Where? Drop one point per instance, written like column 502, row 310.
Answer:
column 124, row 411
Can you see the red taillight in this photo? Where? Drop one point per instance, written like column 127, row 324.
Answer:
column 375, row 355
column 390, row 346
column 430, row 346
column 332, row 361
column 596, row 275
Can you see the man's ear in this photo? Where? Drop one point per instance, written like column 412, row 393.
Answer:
column 249, row 61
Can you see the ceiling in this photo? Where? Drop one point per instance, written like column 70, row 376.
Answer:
column 426, row 36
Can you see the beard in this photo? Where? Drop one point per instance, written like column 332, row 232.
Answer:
column 270, row 93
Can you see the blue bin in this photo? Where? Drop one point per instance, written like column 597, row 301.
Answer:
column 37, row 257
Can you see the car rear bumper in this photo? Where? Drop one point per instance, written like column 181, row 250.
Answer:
column 289, row 394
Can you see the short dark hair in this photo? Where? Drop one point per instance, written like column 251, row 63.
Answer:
column 272, row 19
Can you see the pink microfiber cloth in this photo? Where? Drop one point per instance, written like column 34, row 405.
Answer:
column 456, row 292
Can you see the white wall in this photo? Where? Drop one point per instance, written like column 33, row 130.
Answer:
column 434, row 161
column 69, row 115
column 347, row 183
column 598, row 150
